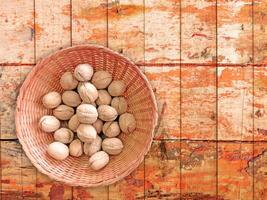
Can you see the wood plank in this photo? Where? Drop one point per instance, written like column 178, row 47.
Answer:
column 165, row 82
column 11, row 78
column 162, row 31
column 16, row 32
column 98, row 193
column 18, row 176
column 198, row 170
column 11, row 183
column 28, row 178
column 234, row 27
column 162, row 171
column 260, row 29
column 52, row 33
column 198, row 102
column 198, row 31
column 235, row 106
column 260, row 170
column 235, row 181
column 126, row 28
column 52, row 26
column 130, row 188
column 89, row 22
column 49, row 189
column 260, row 103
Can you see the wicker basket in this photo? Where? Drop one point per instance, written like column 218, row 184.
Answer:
column 45, row 77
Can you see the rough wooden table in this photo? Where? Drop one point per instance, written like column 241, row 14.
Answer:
column 206, row 60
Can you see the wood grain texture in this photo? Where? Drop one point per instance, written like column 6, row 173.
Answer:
column 11, row 184
column 198, row 170
column 235, row 180
column 260, row 170
column 234, row 27
column 89, row 22
column 162, row 31
column 50, row 189
column 130, row 188
column 198, row 31
column 260, row 103
column 260, row 29
column 98, row 193
column 11, row 78
column 17, row 180
column 162, row 171
column 165, row 82
column 28, row 178
column 16, row 31
column 52, row 26
column 198, row 102
column 235, row 103
column 126, row 28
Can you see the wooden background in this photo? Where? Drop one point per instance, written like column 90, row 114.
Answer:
column 205, row 59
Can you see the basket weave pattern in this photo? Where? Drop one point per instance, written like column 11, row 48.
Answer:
column 45, row 77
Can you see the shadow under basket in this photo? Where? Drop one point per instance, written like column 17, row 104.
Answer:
column 45, row 77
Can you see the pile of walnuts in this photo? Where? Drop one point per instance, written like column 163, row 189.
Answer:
column 92, row 106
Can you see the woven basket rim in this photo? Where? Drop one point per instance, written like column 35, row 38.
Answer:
column 41, row 63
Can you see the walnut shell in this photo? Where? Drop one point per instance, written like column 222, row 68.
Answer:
column 63, row 135
column 68, row 82
column 116, row 88
column 83, row 72
column 73, row 123
column 87, row 92
column 86, row 113
column 98, row 160
column 76, row 148
column 71, row 98
column 93, row 147
column 120, row 104
column 51, row 100
column 63, row 112
column 101, row 79
column 103, row 98
column 86, row 133
column 58, row 150
column 49, row 123
column 107, row 113
column 127, row 123
column 98, row 125
column 112, row 146
column 111, row 129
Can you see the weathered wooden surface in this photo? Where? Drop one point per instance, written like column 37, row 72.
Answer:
column 235, row 175
column 211, row 140
column 162, row 40
column 260, row 28
column 162, row 171
column 11, row 78
column 168, row 100
column 17, row 31
column 234, row 27
column 235, row 103
column 198, row 31
column 198, row 169
column 198, row 102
